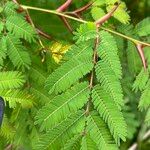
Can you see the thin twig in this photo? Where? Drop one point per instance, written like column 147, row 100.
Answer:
column 43, row 34
column 62, row 8
column 65, row 21
column 28, row 18
column 9, row 147
column 107, row 16
column 78, row 11
column 83, row 21
column 135, row 145
column 84, row 8
column 92, row 72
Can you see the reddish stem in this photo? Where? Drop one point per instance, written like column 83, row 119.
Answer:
column 67, row 24
column 107, row 16
column 84, row 8
column 15, row 1
column 64, row 6
column 43, row 34
column 141, row 53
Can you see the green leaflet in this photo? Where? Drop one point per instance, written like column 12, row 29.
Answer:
column 134, row 62
column 11, row 80
column 1, row 26
column 147, row 118
column 7, row 130
column 109, row 82
column 3, row 50
column 87, row 143
column 67, row 74
column 145, row 98
column 97, row 13
column 141, row 80
column 85, row 32
column 62, row 105
column 57, row 136
column 10, row 9
column 108, row 52
column 143, row 27
column 110, row 113
column 17, row 53
column 80, row 50
column 74, row 143
column 120, row 14
column 17, row 96
column 20, row 28
column 99, row 132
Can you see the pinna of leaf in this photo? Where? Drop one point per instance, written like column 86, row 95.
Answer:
column 2, row 107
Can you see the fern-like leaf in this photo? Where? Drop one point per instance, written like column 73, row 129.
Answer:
column 141, row 80
column 73, row 143
column 110, row 82
column 67, row 74
column 16, row 96
column 87, row 143
column 120, row 14
column 147, row 118
column 10, row 80
column 20, row 28
column 108, row 52
column 143, row 27
column 145, row 97
column 110, row 113
column 62, row 105
column 17, row 53
column 86, row 32
column 99, row 132
column 97, row 13
column 77, row 51
column 3, row 50
column 10, row 9
column 7, row 130
column 62, row 132
column 134, row 62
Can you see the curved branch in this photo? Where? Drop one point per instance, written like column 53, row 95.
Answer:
column 83, row 21
column 64, row 6
column 40, row 32
column 84, row 8
column 107, row 16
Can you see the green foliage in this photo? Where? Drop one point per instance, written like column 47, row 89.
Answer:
column 109, row 112
column 11, row 79
column 20, row 28
column 17, row 53
column 141, row 80
column 108, row 49
column 62, row 105
column 144, row 100
column 100, row 8
column 97, row 128
column 85, row 32
column 142, row 28
column 86, row 100
column 59, row 134
column 63, row 77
